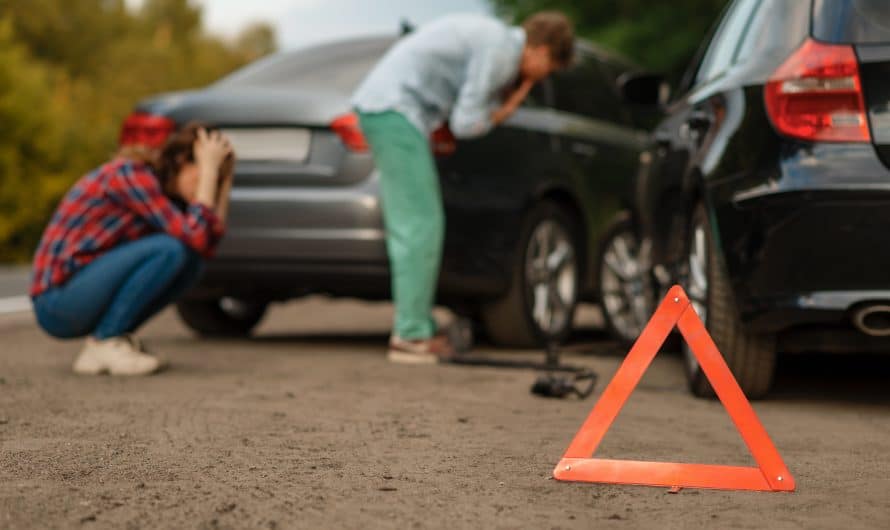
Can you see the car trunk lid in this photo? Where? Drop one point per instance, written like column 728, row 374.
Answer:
column 281, row 137
column 864, row 24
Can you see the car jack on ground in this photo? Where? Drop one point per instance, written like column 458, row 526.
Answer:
column 558, row 380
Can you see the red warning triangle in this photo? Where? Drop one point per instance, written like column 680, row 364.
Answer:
column 578, row 466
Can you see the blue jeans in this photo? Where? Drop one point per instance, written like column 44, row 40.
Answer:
column 120, row 290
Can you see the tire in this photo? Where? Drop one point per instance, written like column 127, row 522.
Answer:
column 540, row 305
column 751, row 357
column 624, row 285
column 222, row 317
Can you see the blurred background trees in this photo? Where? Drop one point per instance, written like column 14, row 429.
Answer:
column 70, row 71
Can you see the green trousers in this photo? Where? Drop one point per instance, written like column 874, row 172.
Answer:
column 413, row 218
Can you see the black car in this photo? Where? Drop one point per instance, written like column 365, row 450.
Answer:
column 766, row 191
column 527, row 206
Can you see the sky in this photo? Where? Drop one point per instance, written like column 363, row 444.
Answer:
column 302, row 22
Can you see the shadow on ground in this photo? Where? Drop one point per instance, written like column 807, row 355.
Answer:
column 854, row 378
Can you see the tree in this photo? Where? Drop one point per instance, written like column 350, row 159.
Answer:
column 256, row 41
column 33, row 144
column 661, row 36
column 70, row 72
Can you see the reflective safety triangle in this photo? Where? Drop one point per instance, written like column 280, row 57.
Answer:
column 577, row 464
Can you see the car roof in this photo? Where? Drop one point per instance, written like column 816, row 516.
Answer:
column 364, row 48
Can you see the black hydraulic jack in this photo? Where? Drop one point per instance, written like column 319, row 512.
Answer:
column 558, row 380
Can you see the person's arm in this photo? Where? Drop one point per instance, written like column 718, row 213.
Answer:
column 135, row 188
column 513, row 101
column 472, row 115
column 225, row 188
column 210, row 150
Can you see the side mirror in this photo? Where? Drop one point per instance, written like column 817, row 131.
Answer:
column 644, row 89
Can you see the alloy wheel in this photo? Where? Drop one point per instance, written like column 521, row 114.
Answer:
column 551, row 277
column 697, row 283
column 624, row 285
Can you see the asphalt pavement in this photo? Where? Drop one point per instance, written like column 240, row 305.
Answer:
column 306, row 425
column 14, row 289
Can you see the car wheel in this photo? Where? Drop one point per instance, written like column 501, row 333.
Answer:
column 540, row 305
column 222, row 317
column 624, row 286
column 751, row 357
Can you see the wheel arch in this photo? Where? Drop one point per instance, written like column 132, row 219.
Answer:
column 564, row 197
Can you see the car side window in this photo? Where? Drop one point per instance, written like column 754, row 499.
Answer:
column 778, row 27
column 540, row 95
column 584, row 90
column 721, row 52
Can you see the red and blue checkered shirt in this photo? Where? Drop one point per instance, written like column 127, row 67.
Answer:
column 119, row 202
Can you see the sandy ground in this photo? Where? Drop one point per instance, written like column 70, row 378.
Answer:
column 307, row 426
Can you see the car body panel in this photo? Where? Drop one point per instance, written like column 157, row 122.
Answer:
column 874, row 67
column 800, row 225
column 316, row 226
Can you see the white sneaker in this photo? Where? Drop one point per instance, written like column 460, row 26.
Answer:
column 115, row 356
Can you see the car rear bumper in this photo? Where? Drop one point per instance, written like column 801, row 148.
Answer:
column 835, row 309
column 277, row 280
column 286, row 242
column 337, row 224
column 809, row 244
column 810, row 257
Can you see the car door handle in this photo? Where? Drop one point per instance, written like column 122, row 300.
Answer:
column 699, row 120
column 663, row 142
column 695, row 126
column 584, row 149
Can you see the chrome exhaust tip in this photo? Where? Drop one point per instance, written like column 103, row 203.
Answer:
column 873, row 320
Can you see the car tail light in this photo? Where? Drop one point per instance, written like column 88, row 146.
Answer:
column 141, row 128
column 443, row 141
column 817, row 95
column 347, row 128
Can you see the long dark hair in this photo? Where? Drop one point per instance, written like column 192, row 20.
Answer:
column 178, row 150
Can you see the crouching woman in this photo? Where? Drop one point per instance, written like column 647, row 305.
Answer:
column 128, row 239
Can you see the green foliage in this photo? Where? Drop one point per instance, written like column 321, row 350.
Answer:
column 70, row 71
column 661, row 36
column 32, row 146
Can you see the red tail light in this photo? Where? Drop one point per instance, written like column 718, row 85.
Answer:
column 443, row 141
column 347, row 128
column 150, row 130
column 817, row 95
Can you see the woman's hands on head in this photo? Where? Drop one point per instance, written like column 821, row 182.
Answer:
column 227, row 169
column 211, row 149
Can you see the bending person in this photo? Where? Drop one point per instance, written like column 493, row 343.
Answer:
column 453, row 70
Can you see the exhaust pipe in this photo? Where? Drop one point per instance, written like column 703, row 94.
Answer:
column 873, row 320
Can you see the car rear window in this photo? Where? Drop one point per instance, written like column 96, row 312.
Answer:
column 852, row 21
column 340, row 67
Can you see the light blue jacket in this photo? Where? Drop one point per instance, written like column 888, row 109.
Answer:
column 453, row 69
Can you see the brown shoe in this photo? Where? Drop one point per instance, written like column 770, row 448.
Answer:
column 426, row 351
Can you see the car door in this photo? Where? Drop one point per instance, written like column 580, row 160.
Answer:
column 599, row 144
column 680, row 141
column 486, row 185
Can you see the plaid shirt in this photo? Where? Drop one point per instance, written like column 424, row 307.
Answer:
column 117, row 203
